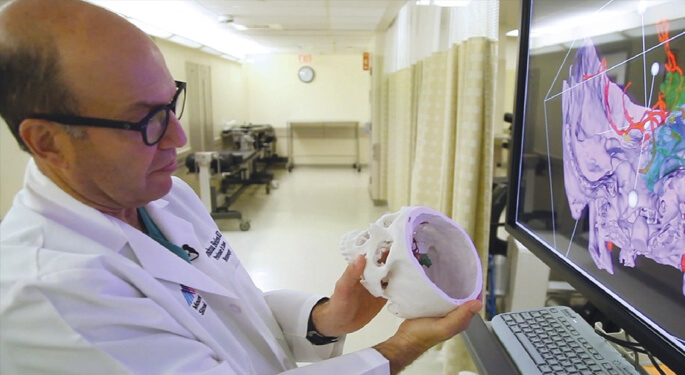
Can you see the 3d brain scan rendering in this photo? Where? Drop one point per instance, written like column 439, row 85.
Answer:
column 420, row 260
column 624, row 160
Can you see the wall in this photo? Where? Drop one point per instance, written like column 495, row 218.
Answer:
column 340, row 91
column 229, row 99
column 511, row 53
column 12, row 164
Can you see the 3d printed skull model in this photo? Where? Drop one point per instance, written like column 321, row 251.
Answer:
column 420, row 260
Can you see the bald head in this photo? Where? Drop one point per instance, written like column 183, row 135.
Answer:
column 69, row 57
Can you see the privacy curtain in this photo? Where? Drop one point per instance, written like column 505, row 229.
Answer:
column 471, row 193
column 440, row 119
column 400, row 129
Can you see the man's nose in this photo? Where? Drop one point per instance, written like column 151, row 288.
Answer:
column 175, row 136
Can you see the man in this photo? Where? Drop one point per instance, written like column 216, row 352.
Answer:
column 95, row 274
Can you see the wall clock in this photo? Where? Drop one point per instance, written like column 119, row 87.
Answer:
column 306, row 74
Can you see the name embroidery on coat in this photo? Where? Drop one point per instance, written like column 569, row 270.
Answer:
column 217, row 247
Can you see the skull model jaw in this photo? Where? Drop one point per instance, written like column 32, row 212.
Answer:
column 413, row 287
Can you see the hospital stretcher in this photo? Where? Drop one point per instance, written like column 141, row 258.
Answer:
column 224, row 175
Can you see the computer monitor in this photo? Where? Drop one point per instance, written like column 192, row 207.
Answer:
column 597, row 170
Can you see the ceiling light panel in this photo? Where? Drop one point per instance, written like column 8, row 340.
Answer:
column 265, row 8
column 187, row 19
column 372, row 13
column 184, row 41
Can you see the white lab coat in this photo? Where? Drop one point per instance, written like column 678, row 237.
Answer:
column 83, row 292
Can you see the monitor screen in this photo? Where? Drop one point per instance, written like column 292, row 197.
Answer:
column 597, row 176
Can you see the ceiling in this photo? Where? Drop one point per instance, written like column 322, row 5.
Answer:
column 308, row 26
column 281, row 26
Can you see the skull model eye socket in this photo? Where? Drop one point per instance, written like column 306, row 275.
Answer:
column 382, row 253
column 387, row 220
column 361, row 240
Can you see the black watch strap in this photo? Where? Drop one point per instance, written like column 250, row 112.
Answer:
column 314, row 336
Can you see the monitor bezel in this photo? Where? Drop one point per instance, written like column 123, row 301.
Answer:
column 653, row 340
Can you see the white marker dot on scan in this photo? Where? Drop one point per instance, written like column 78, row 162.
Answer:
column 655, row 69
column 632, row 199
column 642, row 7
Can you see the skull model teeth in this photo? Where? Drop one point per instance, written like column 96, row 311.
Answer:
column 420, row 260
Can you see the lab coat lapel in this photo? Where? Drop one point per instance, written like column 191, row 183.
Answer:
column 163, row 264
column 176, row 229
column 181, row 232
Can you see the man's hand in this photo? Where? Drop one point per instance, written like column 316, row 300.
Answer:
column 351, row 306
column 416, row 336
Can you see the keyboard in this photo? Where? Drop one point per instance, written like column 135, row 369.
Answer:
column 556, row 340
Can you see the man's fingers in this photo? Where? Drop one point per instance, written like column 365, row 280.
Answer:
column 355, row 270
column 352, row 274
column 458, row 319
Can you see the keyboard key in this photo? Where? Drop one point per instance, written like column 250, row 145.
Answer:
column 595, row 368
column 534, row 355
column 580, row 366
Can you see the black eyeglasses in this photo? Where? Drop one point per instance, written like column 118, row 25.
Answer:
column 152, row 127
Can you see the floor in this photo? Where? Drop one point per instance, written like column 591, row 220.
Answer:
column 293, row 240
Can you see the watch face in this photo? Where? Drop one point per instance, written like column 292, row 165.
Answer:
column 306, row 74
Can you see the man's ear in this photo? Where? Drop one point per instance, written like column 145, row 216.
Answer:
column 42, row 139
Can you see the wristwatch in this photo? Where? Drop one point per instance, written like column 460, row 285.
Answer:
column 314, row 336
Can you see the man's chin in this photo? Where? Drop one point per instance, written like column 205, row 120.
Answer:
column 160, row 186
